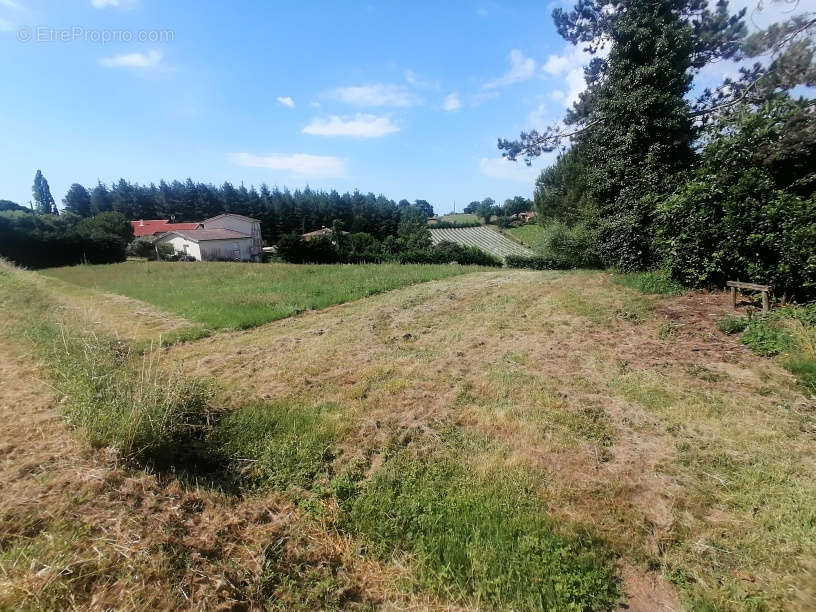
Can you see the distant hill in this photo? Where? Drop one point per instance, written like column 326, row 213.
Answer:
column 482, row 237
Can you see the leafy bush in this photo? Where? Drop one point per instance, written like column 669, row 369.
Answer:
column 479, row 538
column 765, row 339
column 749, row 210
column 536, row 262
column 570, row 246
column 41, row 241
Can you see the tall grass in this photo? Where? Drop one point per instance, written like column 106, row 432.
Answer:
column 238, row 296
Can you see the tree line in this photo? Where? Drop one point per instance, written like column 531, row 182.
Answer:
column 280, row 211
column 717, row 188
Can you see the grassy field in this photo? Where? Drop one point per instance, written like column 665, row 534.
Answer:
column 529, row 235
column 460, row 218
column 238, row 296
column 506, row 439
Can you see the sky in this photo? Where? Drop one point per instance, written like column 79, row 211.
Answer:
column 404, row 99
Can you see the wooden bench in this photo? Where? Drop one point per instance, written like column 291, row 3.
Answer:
column 765, row 289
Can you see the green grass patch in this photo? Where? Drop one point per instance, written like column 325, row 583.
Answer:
column 280, row 444
column 531, row 235
column 482, row 539
column 238, row 296
column 657, row 282
column 459, row 218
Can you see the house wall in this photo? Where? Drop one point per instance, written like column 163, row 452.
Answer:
column 251, row 228
column 226, row 249
column 179, row 243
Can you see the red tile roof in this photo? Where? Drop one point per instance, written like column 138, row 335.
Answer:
column 150, row 227
column 197, row 235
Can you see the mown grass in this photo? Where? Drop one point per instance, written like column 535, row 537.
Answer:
column 238, row 296
column 470, row 539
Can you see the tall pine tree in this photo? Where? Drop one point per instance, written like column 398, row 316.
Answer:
column 42, row 195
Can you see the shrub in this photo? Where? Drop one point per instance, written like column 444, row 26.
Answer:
column 570, row 246
column 749, row 210
column 535, row 262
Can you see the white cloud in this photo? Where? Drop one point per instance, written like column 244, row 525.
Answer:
column 452, row 102
column 501, row 168
column 376, row 95
column 521, row 69
column 151, row 59
column 358, row 126
column 12, row 4
column 570, row 68
column 314, row 104
column 301, row 165
column 286, row 101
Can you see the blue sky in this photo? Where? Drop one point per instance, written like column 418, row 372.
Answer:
column 406, row 99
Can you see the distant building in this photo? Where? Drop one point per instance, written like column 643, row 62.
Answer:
column 223, row 237
column 527, row 216
column 209, row 244
column 239, row 223
column 323, row 231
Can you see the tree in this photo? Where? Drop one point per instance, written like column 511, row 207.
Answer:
column 633, row 123
column 486, row 209
column 77, row 201
column 748, row 211
column 514, row 206
column 424, row 207
column 42, row 195
column 470, row 209
column 561, row 191
column 100, row 199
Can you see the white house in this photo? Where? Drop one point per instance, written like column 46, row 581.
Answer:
column 210, row 244
column 223, row 237
column 239, row 223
